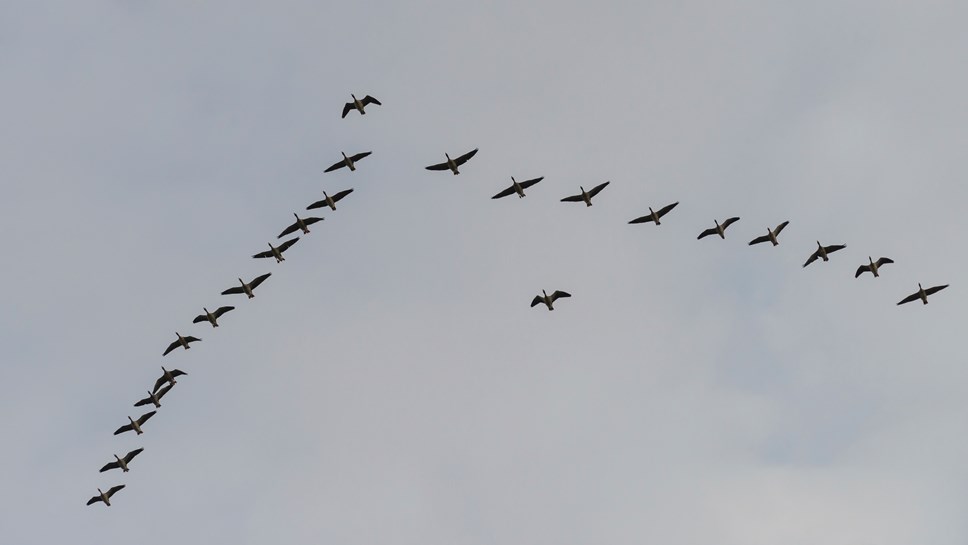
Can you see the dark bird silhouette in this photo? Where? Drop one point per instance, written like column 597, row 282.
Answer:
column 874, row 266
column 655, row 216
column 720, row 228
column 167, row 377
column 180, row 341
column 249, row 288
column 586, row 196
column 121, row 463
column 517, row 187
column 329, row 200
column 770, row 235
column 154, row 397
column 105, row 496
column 276, row 251
column 348, row 161
column 922, row 294
column 452, row 164
column 358, row 104
column 301, row 224
column 822, row 252
column 211, row 317
column 548, row 300
column 135, row 425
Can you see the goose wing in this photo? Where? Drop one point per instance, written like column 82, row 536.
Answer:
column 464, row 158
column 536, row 301
column 341, row 194
column 200, row 318
column 834, row 248
column 233, row 291
column 222, row 310
column 177, row 372
column 758, row 240
column 287, row 244
column 728, row 222
column 438, row 166
column 144, row 418
column 707, row 232
column 597, row 189
column 347, row 108
column 190, row 339
column 94, row 500
column 260, row 255
column 143, row 402
column 861, row 270
column 161, row 393
column 909, row 298
column 776, row 232
column 504, row 193
column 337, row 165
column 315, row 205
column 310, row 221
column 558, row 294
column 113, row 490
column 130, row 456
column 528, row 183
column 158, row 384
column 665, row 209
column 124, row 428
column 291, row 229
column 359, row 156
column 813, row 257
column 258, row 280
column 935, row 289
column 108, row 467
column 883, row 260
column 171, row 347
column 573, row 198
column 643, row 219
column 370, row 100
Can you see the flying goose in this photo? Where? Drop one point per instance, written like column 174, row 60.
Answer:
column 121, row 462
column 135, row 424
column 247, row 288
column 330, row 200
column 517, row 187
column 720, row 228
column 822, row 252
column 348, row 161
column 655, row 216
column 586, row 196
column 922, row 294
column 155, row 397
column 211, row 317
column 358, row 104
column 182, row 342
column 105, row 496
column 770, row 235
column 301, row 224
column 452, row 164
column 167, row 376
column 548, row 299
column 873, row 267
column 276, row 251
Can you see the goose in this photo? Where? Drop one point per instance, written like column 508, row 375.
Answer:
column 922, row 294
column 548, row 299
column 301, row 224
column 135, row 424
column 121, row 463
column 211, row 317
column 720, row 228
column 247, row 288
column 348, row 161
column 586, row 196
column 358, row 104
column 330, row 200
column 517, row 187
column 155, row 397
column 105, row 496
column 822, row 252
column 452, row 164
column 180, row 341
column 655, row 216
column 169, row 377
column 770, row 235
column 873, row 267
column 276, row 251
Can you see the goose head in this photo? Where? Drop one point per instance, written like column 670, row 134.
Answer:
column 354, row 97
column 344, row 156
column 651, row 212
column 447, row 156
column 870, row 259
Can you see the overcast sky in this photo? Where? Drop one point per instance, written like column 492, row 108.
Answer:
column 389, row 384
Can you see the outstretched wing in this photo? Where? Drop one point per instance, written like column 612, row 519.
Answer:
column 93, row 500
column 200, row 318
column 834, row 248
column 813, row 257
column 341, row 194
column 233, row 291
column 124, row 428
column 334, row 166
column 114, row 489
column 349, row 106
column 935, row 289
column 143, row 402
column 776, row 232
column 883, row 260
column 310, row 221
column 728, row 222
column 528, row 183
column 439, row 166
column 108, row 467
column 258, row 280
column 222, row 310
column 504, row 193
column 558, row 294
column 370, row 100
column 463, row 158
column 267, row 253
column 159, row 383
column 597, row 189
column 536, row 301
column 285, row 245
column 164, row 390
column 861, row 270
column 573, row 198
column 145, row 417
column 359, row 156
column 909, row 298
column 707, row 232
column 171, row 347
column 130, row 456
column 643, row 219
column 291, row 229
column 665, row 209
column 757, row 240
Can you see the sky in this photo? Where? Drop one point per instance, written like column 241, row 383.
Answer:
column 389, row 383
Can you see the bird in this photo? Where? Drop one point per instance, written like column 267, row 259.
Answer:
column 167, row 376
column 211, row 317
column 121, row 462
column 247, row 288
column 180, row 341
column 452, row 164
column 300, row 224
column 586, row 196
column 770, row 235
column 358, row 104
column 548, row 299
column 517, row 187
column 822, row 252
column 348, row 161
column 276, row 251
column 329, row 200
column 155, row 397
column 720, row 228
column 922, row 294
column 135, row 424
column 655, row 216
column 873, row 267
column 105, row 496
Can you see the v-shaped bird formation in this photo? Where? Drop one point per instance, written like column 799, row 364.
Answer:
column 167, row 381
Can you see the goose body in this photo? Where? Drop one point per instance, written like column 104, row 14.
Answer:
column 873, row 267
column 823, row 252
column 349, row 161
column 654, row 216
column 167, row 377
column 105, row 496
column 301, row 224
column 719, row 229
column 922, row 294
column 154, row 398
column 329, row 200
column 586, row 196
column 135, row 425
column 211, row 317
column 276, row 251
column 121, row 463
column 517, row 187
column 249, row 288
column 180, row 341
column 770, row 235
column 548, row 300
column 359, row 105
column 452, row 164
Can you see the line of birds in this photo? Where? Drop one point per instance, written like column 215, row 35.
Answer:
column 167, row 380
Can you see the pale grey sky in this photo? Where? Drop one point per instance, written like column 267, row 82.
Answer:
column 389, row 384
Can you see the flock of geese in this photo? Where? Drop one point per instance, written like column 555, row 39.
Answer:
column 167, row 380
